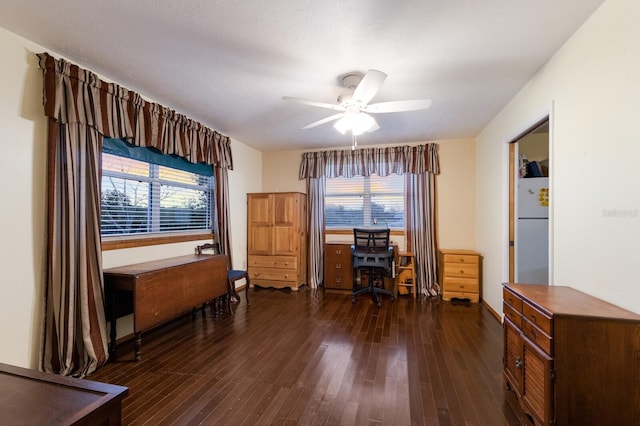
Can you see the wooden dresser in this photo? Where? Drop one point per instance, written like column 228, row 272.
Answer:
column 277, row 239
column 338, row 266
column 571, row 359
column 460, row 272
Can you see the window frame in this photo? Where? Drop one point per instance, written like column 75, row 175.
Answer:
column 367, row 196
column 113, row 242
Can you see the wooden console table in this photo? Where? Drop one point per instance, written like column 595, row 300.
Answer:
column 161, row 290
column 31, row 397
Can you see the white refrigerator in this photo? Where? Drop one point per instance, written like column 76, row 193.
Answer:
column 532, row 231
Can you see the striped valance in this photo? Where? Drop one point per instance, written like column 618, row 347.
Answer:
column 415, row 159
column 75, row 95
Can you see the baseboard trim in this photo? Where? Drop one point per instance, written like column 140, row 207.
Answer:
column 496, row 315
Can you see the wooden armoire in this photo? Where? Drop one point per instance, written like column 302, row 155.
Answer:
column 277, row 239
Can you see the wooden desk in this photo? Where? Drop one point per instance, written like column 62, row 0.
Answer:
column 31, row 397
column 161, row 290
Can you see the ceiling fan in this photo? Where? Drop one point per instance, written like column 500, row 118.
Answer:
column 354, row 104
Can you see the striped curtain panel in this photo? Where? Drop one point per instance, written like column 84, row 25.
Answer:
column 82, row 110
column 74, row 338
column 223, row 216
column 315, row 225
column 422, row 232
column 419, row 161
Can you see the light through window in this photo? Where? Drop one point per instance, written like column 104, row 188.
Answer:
column 140, row 197
column 365, row 201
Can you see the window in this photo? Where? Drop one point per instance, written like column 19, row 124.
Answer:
column 364, row 201
column 141, row 197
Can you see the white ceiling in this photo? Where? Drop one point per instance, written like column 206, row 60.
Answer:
column 227, row 63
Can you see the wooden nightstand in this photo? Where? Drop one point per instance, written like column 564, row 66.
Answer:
column 460, row 274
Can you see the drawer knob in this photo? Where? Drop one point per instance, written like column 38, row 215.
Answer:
column 338, row 266
column 518, row 362
column 338, row 251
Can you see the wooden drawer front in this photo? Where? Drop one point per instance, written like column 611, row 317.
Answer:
column 338, row 251
column 461, row 270
column 463, row 285
column 269, row 274
column 534, row 334
column 461, row 258
column 512, row 314
column 338, row 281
column 537, row 318
column 512, row 299
column 280, row 262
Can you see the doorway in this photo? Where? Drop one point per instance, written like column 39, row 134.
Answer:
column 529, row 189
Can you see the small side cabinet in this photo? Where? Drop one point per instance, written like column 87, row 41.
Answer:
column 460, row 272
column 338, row 266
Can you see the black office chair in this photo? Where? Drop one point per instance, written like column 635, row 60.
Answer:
column 371, row 251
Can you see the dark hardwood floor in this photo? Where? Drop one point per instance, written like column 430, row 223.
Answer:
column 313, row 357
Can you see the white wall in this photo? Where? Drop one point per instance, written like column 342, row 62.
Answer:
column 246, row 177
column 23, row 129
column 22, row 218
column 592, row 88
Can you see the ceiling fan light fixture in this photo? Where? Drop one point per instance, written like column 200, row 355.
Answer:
column 358, row 122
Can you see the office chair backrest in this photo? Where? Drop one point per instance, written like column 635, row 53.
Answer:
column 371, row 240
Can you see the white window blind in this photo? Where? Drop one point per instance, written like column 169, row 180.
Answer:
column 140, row 197
column 365, row 201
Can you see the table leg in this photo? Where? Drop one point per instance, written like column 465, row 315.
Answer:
column 246, row 289
column 137, row 344
column 112, row 320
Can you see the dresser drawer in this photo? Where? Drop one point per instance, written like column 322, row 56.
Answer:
column 533, row 333
column 539, row 319
column 342, row 251
column 280, row 262
column 268, row 274
column 461, row 270
column 512, row 314
column 461, row 258
column 338, row 281
column 464, row 285
column 512, row 299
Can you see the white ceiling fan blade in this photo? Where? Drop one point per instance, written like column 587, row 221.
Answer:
column 324, row 120
column 369, row 86
column 313, row 103
column 373, row 127
column 397, row 106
